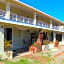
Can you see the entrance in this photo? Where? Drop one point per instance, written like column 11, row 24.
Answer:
column 59, row 37
column 8, row 34
column 33, row 37
column 45, row 35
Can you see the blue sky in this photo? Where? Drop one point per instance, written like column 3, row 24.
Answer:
column 54, row 8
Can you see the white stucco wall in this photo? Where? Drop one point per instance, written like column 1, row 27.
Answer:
column 18, row 36
column 49, row 36
column 1, row 40
column 16, row 39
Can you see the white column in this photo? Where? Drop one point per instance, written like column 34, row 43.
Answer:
column 50, row 23
column 1, row 40
column 54, row 36
column 34, row 18
column 7, row 14
column 49, row 35
column 62, row 38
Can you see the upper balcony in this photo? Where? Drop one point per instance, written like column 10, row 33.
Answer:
column 21, row 14
column 29, row 21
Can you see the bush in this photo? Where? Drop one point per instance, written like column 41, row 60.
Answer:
column 45, row 42
column 35, row 45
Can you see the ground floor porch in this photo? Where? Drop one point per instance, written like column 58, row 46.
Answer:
column 52, row 56
column 23, row 37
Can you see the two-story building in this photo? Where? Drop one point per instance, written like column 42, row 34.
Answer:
column 19, row 22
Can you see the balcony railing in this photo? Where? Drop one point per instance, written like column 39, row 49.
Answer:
column 55, row 27
column 43, row 24
column 2, row 14
column 26, row 20
column 21, row 19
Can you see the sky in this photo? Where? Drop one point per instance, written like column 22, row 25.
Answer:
column 54, row 8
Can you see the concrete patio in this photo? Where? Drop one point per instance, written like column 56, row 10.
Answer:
column 56, row 51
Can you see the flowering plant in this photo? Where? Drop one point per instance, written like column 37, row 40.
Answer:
column 7, row 44
column 56, row 43
column 33, row 48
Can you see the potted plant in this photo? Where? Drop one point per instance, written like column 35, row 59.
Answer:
column 33, row 48
column 56, row 43
column 45, row 45
column 45, row 42
column 7, row 45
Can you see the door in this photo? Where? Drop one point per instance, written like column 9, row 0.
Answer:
column 8, row 34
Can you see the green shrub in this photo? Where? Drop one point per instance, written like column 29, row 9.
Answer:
column 35, row 45
column 45, row 42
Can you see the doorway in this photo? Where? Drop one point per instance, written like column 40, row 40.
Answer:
column 8, row 34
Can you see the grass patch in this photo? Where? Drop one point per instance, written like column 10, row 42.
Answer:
column 28, row 61
column 8, row 62
column 22, row 61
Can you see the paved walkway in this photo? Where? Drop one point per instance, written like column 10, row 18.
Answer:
column 59, row 59
column 57, row 51
column 23, row 54
column 58, row 56
column 54, row 52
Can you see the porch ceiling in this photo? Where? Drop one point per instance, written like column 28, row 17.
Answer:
column 21, row 8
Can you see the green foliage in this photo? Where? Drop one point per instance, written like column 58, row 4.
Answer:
column 45, row 42
column 7, row 44
column 23, row 61
column 28, row 61
column 62, row 61
column 35, row 45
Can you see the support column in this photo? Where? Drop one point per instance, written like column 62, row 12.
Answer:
column 7, row 14
column 34, row 18
column 62, row 38
column 1, row 40
column 54, row 36
column 49, row 35
column 50, row 23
